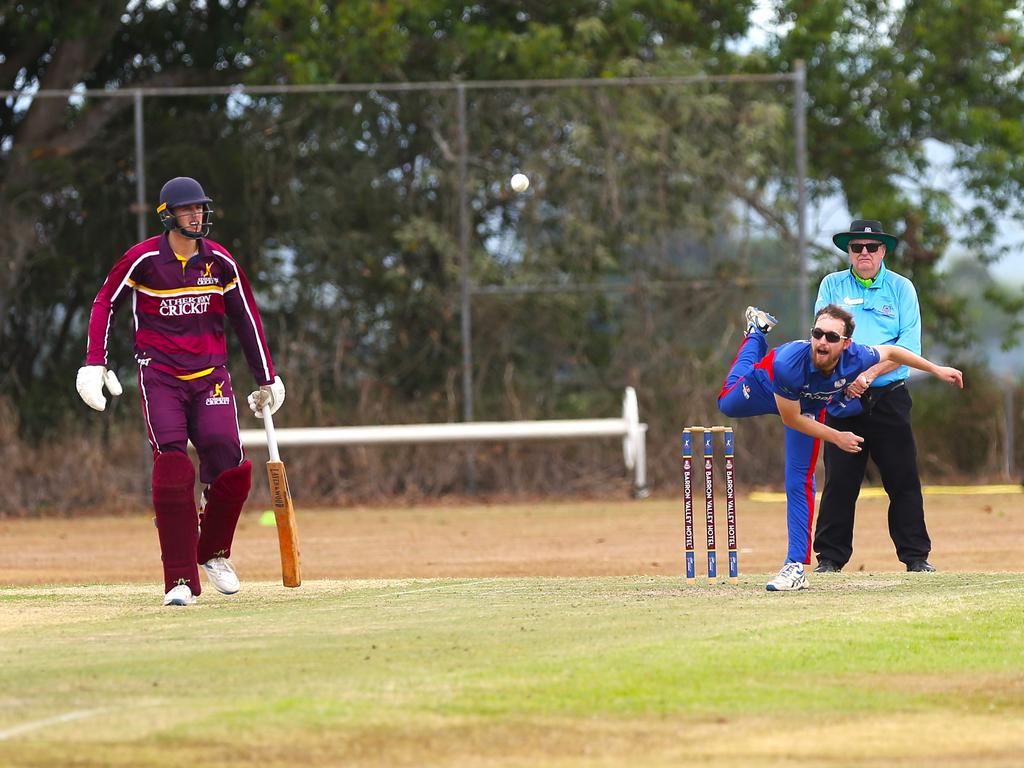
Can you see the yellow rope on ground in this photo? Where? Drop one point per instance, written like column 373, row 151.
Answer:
column 927, row 490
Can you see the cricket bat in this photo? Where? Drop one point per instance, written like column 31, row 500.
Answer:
column 284, row 511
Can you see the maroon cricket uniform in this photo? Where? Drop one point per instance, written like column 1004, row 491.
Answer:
column 178, row 311
column 178, row 304
column 178, row 308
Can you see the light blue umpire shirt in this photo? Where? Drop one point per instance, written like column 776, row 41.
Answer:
column 886, row 312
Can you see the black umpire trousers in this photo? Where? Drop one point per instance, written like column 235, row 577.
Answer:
column 889, row 442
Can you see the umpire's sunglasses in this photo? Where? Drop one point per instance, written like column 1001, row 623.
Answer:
column 869, row 247
column 830, row 336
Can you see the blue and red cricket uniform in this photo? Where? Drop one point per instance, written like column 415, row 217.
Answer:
column 756, row 376
column 178, row 308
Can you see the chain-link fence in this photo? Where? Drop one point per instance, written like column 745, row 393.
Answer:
column 403, row 280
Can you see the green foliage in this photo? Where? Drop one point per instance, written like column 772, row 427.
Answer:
column 301, row 41
column 885, row 80
column 343, row 207
column 67, row 169
column 655, row 215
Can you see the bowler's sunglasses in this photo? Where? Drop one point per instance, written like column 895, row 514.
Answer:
column 869, row 247
column 830, row 336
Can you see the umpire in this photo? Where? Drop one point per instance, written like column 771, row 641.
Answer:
column 886, row 311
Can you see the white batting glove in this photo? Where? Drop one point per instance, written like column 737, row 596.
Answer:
column 90, row 381
column 268, row 394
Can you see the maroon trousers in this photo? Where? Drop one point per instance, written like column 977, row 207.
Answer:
column 202, row 410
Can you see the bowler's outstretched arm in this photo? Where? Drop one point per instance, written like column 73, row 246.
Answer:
column 905, row 357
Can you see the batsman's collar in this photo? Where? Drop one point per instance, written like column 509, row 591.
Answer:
column 865, row 229
column 167, row 253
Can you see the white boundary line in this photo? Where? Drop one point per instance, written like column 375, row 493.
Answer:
column 37, row 724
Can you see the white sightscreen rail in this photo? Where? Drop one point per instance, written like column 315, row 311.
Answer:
column 628, row 427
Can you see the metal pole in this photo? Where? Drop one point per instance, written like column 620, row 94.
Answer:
column 1008, row 446
column 140, row 226
column 800, row 115
column 140, row 169
column 466, row 309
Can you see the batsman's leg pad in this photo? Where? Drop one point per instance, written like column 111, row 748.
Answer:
column 174, row 502
column 224, row 502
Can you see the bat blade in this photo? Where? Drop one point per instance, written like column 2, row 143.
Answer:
column 287, row 531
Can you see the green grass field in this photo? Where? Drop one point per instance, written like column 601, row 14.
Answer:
column 861, row 670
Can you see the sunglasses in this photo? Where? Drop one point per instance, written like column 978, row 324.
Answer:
column 869, row 247
column 830, row 336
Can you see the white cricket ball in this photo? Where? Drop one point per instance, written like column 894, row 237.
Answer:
column 519, row 182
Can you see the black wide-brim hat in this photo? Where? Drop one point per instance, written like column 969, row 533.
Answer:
column 865, row 229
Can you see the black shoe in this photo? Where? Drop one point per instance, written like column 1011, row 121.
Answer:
column 828, row 566
column 920, row 566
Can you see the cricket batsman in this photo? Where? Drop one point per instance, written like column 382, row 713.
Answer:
column 799, row 381
column 180, row 286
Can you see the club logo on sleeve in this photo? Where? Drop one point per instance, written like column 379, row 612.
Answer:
column 207, row 278
column 217, row 397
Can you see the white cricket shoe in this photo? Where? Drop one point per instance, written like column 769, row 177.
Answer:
column 758, row 320
column 790, row 579
column 180, row 595
column 222, row 575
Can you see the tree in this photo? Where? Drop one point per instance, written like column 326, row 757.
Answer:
column 344, row 207
column 887, row 80
column 65, row 169
column 379, row 262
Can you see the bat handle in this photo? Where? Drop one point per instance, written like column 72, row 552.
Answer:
column 268, row 424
